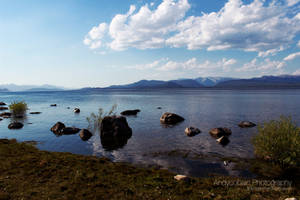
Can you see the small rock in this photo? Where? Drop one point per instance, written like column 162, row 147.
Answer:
column 76, row 110
column 35, row 113
column 291, row 198
column 2, row 104
column 130, row 112
column 3, row 108
column 181, row 177
column 69, row 130
column 5, row 115
column 191, row 131
column 223, row 140
column 159, row 108
column 219, row 132
column 85, row 134
column 57, row 127
column 225, row 163
column 53, row 105
column 15, row 125
column 170, row 118
column 246, row 124
column 68, row 107
column 1, row 119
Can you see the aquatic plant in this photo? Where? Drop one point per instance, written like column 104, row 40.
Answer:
column 18, row 108
column 95, row 119
column 279, row 142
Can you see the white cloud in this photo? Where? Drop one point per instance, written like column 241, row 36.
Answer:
column 146, row 28
column 93, row 38
column 266, row 28
column 297, row 72
column 292, row 56
column 292, row 2
column 250, row 27
column 265, row 66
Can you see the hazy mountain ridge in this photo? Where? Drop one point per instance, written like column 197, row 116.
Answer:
column 19, row 88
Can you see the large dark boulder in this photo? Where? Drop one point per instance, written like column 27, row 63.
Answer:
column 115, row 132
column 170, row 118
column 15, row 125
column 57, row 128
column 5, row 114
column 219, row 132
column 3, row 108
column 85, row 134
column 191, row 131
column 130, row 112
column 115, row 126
column 246, row 124
column 35, row 113
column 2, row 104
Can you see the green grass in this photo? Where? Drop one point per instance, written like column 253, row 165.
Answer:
column 18, row 108
column 28, row 173
column 279, row 142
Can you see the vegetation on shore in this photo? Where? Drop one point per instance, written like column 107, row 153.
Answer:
column 279, row 141
column 18, row 108
column 28, row 173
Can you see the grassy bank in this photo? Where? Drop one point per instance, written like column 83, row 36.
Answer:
column 28, row 173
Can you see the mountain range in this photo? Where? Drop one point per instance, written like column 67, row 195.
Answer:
column 18, row 88
column 264, row 82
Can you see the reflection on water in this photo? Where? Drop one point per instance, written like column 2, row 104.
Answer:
column 203, row 109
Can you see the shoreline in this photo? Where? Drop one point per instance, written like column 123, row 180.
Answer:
column 29, row 173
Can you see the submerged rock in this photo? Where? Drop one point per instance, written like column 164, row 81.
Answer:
column 69, row 130
column 2, row 104
column 159, row 108
column 15, row 125
column 76, row 110
column 3, row 108
column 6, row 115
column 170, row 118
column 191, row 131
column 85, row 134
column 57, row 128
column 53, row 105
column 246, row 124
column 130, row 112
column 35, row 113
column 1, row 119
column 219, row 132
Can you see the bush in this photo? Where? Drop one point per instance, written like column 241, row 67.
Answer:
column 18, row 108
column 95, row 119
column 279, row 141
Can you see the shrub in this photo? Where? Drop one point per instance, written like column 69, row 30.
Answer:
column 278, row 141
column 95, row 119
column 18, row 108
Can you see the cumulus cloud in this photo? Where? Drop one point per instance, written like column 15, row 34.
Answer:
column 292, row 2
column 191, row 65
column 265, row 66
column 93, row 38
column 266, row 28
column 297, row 72
column 292, row 56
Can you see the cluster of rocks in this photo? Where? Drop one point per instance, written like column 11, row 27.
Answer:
column 60, row 129
column 3, row 106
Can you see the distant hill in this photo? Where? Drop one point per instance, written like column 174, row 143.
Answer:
column 18, row 88
column 212, row 81
column 4, row 90
column 283, row 81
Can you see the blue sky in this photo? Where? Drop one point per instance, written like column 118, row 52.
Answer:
column 79, row 43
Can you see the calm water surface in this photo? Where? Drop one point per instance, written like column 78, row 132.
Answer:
column 152, row 143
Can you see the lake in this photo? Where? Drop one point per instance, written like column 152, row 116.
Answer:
column 153, row 144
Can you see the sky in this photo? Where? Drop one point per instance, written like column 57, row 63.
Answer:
column 97, row 43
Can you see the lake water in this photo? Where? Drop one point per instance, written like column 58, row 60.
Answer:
column 152, row 143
